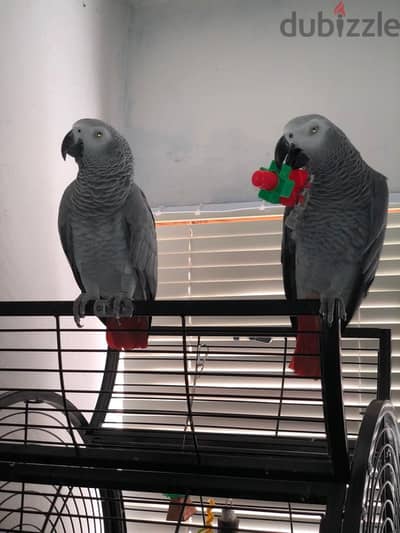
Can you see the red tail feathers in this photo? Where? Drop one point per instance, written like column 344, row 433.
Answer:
column 134, row 336
column 304, row 363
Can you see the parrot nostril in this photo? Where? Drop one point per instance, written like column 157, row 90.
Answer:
column 290, row 135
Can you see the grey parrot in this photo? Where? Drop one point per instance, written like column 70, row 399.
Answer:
column 107, row 232
column 332, row 241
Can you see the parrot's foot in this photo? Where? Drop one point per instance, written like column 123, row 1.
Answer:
column 116, row 307
column 79, row 307
column 122, row 306
column 101, row 307
column 327, row 308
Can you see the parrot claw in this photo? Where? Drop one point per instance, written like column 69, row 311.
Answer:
column 79, row 307
column 101, row 308
column 122, row 307
column 116, row 307
column 327, row 309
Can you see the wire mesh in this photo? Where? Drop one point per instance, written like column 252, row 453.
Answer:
column 212, row 394
column 27, row 508
column 235, row 383
column 374, row 493
column 75, row 509
column 28, row 417
column 148, row 511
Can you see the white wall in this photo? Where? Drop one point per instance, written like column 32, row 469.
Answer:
column 60, row 61
column 212, row 82
column 202, row 91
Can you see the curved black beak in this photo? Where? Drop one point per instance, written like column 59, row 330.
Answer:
column 281, row 151
column 295, row 157
column 71, row 147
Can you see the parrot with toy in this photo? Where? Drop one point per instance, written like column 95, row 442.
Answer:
column 331, row 241
column 108, row 233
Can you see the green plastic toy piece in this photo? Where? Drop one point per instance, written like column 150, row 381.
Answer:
column 174, row 496
column 285, row 184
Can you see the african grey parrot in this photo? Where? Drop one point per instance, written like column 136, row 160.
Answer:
column 107, row 232
column 332, row 242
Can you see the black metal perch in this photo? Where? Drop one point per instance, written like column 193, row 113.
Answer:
column 207, row 409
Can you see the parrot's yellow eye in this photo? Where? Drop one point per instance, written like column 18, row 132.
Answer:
column 314, row 130
column 99, row 134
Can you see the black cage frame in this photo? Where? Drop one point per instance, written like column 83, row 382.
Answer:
column 332, row 471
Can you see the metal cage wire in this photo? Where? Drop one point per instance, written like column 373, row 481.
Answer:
column 37, row 416
column 210, row 403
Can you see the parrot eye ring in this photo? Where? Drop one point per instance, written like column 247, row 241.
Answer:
column 99, row 134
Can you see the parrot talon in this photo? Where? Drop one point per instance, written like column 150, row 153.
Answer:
column 127, row 308
column 122, row 307
column 78, row 308
column 101, row 308
column 116, row 307
column 327, row 309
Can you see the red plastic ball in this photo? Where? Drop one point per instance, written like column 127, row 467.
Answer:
column 265, row 179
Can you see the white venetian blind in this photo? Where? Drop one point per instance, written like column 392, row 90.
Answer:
column 226, row 256
column 236, row 256
column 232, row 256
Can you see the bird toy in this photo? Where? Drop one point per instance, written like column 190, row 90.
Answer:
column 283, row 185
column 175, row 512
column 209, row 517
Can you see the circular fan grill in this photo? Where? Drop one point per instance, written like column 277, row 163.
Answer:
column 374, row 493
column 35, row 417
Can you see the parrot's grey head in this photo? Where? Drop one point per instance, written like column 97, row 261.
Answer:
column 311, row 138
column 93, row 142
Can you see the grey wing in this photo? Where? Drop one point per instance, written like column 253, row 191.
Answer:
column 288, row 260
column 142, row 243
column 370, row 257
column 65, row 232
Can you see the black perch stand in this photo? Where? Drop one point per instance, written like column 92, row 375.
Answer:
column 209, row 408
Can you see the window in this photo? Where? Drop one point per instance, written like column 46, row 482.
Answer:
column 231, row 255
column 234, row 256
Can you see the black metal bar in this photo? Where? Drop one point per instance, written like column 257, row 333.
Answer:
column 332, row 393
column 62, row 385
column 170, row 482
column 189, row 413
column 282, row 388
column 182, row 510
column 332, row 521
column 264, row 464
column 58, row 512
column 126, row 438
column 384, row 365
column 85, row 505
column 113, row 511
column 172, row 308
column 106, row 388
column 26, row 423
column 212, row 331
